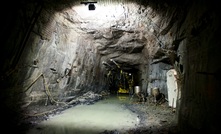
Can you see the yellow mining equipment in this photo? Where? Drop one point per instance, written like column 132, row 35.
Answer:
column 121, row 90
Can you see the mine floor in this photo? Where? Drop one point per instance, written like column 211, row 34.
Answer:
column 114, row 114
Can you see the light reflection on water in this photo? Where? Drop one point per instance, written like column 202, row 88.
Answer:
column 108, row 114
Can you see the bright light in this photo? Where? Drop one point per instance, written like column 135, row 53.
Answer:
column 106, row 13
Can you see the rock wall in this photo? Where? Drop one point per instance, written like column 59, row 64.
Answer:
column 64, row 51
column 67, row 49
column 201, row 64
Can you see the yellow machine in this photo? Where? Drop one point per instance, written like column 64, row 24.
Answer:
column 122, row 90
column 122, row 87
column 119, row 80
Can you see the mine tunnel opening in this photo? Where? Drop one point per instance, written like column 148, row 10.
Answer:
column 69, row 55
column 80, row 55
column 121, row 77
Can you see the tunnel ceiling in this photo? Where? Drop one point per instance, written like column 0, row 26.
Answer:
column 134, row 34
column 127, row 31
column 75, row 47
column 120, row 30
column 156, row 4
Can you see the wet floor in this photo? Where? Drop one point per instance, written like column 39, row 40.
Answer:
column 109, row 114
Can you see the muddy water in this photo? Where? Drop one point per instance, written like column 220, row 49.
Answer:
column 108, row 114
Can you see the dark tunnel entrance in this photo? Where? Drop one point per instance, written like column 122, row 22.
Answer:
column 121, row 77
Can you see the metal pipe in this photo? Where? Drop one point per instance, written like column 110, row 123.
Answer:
column 115, row 63
column 105, row 63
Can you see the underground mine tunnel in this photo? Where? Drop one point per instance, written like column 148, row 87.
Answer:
column 58, row 55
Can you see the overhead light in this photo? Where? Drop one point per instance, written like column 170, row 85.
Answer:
column 91, row 5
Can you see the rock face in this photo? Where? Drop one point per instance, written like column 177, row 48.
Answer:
column 61, row 51
column 73, row 44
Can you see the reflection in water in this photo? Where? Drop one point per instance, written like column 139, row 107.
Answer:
column 108, row 114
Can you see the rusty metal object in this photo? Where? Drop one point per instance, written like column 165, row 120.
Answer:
column 155, row 91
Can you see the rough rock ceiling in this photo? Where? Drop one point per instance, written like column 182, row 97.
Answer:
column 156, row 4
